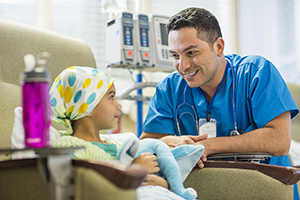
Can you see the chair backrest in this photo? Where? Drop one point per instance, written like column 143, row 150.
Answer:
column 295, row 91
column 16, row 41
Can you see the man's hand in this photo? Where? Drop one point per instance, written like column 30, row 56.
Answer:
column 174, row 141
column 202, row 160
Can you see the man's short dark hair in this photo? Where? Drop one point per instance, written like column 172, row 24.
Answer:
column 202, row 20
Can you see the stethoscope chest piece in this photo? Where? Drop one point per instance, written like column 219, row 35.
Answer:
column 234, row 133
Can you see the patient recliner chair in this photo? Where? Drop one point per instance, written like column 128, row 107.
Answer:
column 16, row 41
column 20, row 178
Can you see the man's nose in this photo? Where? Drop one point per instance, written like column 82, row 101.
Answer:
column 183, row 64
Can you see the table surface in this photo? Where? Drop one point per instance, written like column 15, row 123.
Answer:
column 43, row 151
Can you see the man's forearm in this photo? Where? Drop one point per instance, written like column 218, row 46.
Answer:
column 273, row 138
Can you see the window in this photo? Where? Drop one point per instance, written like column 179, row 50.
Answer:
column 268, row 28
column 271, row 28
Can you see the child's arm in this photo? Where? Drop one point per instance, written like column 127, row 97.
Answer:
column 148, row 161
column 152, row 179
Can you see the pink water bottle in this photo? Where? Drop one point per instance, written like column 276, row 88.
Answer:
column 35, row 81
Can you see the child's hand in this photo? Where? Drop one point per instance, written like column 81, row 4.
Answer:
column 148, row 161
column 152, row 179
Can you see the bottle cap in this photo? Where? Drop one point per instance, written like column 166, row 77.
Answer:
column 36, row 69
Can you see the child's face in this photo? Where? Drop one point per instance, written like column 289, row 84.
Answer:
column 107, row 113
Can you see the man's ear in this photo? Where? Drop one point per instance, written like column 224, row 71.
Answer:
column 219, row 46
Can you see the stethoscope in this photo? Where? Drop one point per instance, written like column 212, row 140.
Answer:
column 184, row 103
column 195, row 116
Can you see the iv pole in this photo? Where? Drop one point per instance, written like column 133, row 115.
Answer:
column 139, row 104
column 139, row 98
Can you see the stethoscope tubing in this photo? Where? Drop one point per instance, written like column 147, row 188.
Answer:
column 233, row 95
column 184, row 103
column 194, row 110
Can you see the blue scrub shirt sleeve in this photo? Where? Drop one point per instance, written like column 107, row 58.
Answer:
column 160, row 114
column 268, row 91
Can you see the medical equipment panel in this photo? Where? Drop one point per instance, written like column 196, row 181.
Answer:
column 142, row 40
column 160, row 56
column 120, row 41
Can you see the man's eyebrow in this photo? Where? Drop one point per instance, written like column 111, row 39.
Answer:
column 186, row 49
column 190, row 47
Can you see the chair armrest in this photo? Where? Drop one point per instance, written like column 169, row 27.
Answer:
column 10, row 164
column 127, row 178
column 93, row 180
column 286, row 175
column 124, row 177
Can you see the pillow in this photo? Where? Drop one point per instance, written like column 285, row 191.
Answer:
column 17, row 137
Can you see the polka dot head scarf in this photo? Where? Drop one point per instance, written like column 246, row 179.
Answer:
column 76, row 92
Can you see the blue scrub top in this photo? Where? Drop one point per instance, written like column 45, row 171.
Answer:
column 261, row 94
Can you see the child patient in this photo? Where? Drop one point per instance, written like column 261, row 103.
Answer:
column 83, row 99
